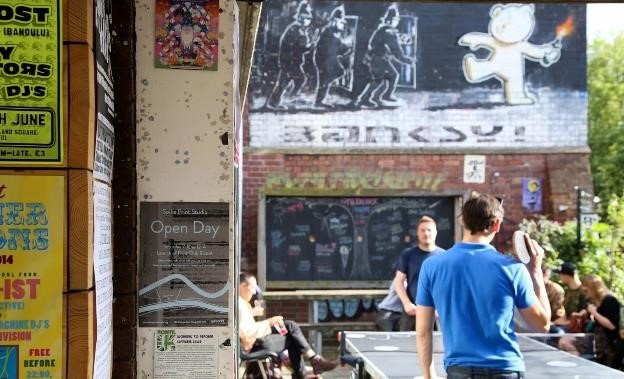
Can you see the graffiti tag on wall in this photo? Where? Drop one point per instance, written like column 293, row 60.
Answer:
column 354, row 180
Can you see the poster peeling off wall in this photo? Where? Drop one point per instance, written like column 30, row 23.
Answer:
column 30, row 82
column 184, row 264
column 105, row 94
column 103, row 272
column 187, row 34
column 372, row 74
column 32, row 233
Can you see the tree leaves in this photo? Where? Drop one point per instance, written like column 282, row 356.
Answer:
column 606, row 115
column 602, row 244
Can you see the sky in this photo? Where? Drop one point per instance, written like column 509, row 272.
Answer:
column 604, row 20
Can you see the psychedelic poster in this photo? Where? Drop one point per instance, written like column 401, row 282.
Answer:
column 32, row 233
column 31, row 82
column 187, row 34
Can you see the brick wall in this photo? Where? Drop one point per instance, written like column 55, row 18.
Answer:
column 353, row 174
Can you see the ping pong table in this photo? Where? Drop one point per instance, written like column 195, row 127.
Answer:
column 392, row 355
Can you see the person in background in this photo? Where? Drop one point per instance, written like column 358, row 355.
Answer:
column 275, row 334
column 474, row 289
column 408, row 269
column 574, row 299
column 390, row 309
column 556, row 296
column 604, row 309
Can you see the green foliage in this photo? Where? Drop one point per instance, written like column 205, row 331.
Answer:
column 558, row 240
column 605, row 78
column 602, row 245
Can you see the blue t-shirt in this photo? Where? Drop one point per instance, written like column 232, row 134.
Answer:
column 474, row 290
column 409, row 263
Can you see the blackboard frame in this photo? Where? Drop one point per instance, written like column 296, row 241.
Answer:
column 455, row 197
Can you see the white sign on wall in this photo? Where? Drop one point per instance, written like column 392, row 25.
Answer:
column 474, row 169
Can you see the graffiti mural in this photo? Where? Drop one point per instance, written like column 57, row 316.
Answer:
column 510, row 27
column 364, row 74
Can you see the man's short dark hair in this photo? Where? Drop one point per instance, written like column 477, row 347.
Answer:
column 480, row 212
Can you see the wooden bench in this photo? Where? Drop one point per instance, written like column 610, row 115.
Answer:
column 371, row 293
column 317, row 328
column 335, row 326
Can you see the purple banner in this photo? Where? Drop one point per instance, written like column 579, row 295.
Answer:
column 532, row 194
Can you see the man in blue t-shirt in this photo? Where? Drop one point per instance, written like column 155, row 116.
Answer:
column 474, row 290
column 408, row 269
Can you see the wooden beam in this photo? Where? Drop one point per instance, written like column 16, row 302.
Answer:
column 80, row 334
column 81, row 95
column 78, row 21
column 80, row 221
column 65, row 101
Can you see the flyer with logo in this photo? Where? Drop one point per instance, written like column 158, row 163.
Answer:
column 186, row 353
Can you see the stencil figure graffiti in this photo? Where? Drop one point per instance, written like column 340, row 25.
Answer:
column 332, row 55
column 383, row 48
column 510, row 28
column 294, row 44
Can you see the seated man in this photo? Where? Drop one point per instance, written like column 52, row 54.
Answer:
column 275, row 334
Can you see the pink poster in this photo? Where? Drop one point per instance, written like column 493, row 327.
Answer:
column 187, row 34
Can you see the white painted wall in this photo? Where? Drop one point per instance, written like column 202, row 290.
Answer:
column 181, row 115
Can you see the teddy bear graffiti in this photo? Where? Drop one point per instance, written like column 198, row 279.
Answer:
column 509, row 30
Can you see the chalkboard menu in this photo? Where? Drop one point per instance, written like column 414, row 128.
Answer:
column 344, row 242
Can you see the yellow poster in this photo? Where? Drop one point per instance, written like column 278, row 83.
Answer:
column 32, row 214
column 30, row 82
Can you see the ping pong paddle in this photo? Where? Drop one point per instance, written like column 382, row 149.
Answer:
column 520, row 248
